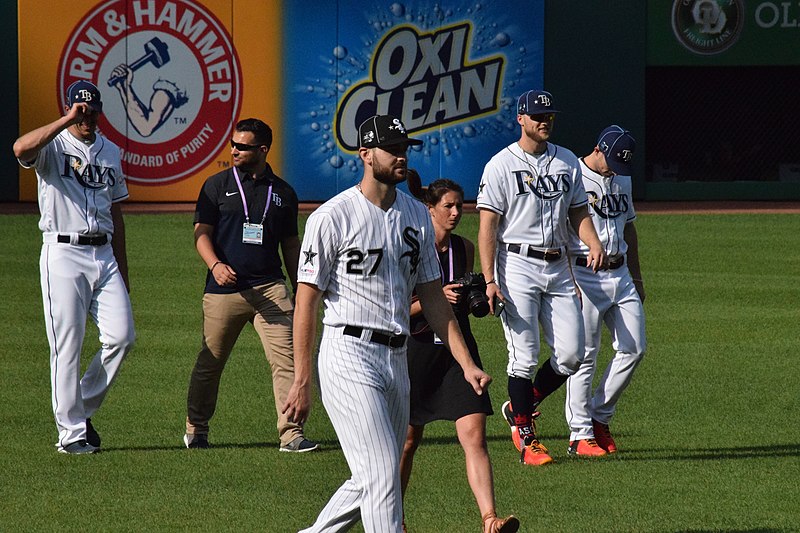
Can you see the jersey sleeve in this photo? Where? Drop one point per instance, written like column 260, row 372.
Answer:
column 429, row 262
column 491, row 193
column 317, row 253
column 207, row 210
column 43, row 160
column 579, row 197
column 119, row 191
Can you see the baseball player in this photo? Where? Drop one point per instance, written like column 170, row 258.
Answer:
column 83, row 263
column 528, row 193
column 363, row 253
column 613, row 295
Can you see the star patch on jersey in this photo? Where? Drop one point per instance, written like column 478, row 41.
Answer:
column 76, row 164
column 310, row 255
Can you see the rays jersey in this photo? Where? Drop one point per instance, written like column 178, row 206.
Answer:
column 611, row 207
column 533, row 194
column 77, row 184
column 367, row 261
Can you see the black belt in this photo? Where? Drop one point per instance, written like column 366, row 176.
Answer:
column 89, row 240
column 613, row 265
column 392, row 341
column 547, row 255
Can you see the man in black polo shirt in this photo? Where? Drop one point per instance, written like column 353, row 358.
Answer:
column 242, row 215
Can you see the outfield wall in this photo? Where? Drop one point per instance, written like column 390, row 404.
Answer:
column 713, row 122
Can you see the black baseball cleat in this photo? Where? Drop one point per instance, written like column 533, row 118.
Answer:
column 92, row 437
column 196, row 441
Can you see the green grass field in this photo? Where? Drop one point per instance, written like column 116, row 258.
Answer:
column 708, row 430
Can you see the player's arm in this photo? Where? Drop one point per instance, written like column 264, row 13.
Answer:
column 487, row 247
column 203, row 241
column 118, row 243
column 290, row 249
column 27, row 147
column 632, row 238
column 298, row 401
column 583, row 226
column 439, row 315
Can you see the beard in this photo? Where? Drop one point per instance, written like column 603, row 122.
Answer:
column 388, row 175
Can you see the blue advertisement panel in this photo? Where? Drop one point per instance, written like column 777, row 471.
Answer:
column 451, row 71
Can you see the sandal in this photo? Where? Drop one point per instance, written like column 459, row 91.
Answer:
column 492, row 524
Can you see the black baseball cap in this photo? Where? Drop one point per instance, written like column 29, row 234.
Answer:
column 618, row 146
column 384, row 130
column 84, row 91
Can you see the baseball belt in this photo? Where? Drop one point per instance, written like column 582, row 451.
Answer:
column 386, row 339
column 547, row 255
column 86, row 240
column 614, row 264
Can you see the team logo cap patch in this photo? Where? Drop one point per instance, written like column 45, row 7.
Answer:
column 383, row 130
column 618, row 146
column 84, row 91
column 535, row 103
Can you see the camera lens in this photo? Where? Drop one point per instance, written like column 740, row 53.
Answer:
column 478, row 303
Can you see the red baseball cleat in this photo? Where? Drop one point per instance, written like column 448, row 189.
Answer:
column 508, row 413
column 603, row 436
column 535, row 454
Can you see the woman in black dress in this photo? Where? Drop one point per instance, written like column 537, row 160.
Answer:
column 438, row 388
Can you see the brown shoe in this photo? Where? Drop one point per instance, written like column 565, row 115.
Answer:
column 492, row 524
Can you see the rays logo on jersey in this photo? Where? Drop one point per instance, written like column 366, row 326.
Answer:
column 91, row 177
column 608, row 205
column 410, row 237
column 547, row 187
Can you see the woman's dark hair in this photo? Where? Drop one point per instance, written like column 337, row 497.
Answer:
column 438, row 188
column 431, row 194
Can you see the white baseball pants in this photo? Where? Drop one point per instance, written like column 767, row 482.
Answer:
column 608, row 297
column 78, row 281
column 365, row 391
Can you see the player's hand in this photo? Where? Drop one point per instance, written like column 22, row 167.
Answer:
column 450, row 292
column 224, row 275
column 478, row 379
column 297, row 404
column 77, row 112
column 492, row 292
column 597, row 257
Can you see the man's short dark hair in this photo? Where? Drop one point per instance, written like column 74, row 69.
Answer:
column 259, row 129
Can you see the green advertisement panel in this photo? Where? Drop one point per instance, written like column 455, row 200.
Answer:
column 722, row 32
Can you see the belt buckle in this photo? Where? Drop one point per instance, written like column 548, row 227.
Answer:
column 552, row 255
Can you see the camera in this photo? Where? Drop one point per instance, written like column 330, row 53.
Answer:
column 473, row 293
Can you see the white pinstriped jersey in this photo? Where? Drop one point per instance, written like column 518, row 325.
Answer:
column 533, row 194
column 77, row 184
column 367, row 261
column 611, row 207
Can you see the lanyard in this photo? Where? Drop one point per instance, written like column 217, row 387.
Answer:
column 450, row 260
column 244, row 200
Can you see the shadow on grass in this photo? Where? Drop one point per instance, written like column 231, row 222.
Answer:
column 327, row 445
column 710, row 454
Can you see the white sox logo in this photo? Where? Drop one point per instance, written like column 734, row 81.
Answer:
column 410, row 237
column 609, row 205
column 547, row 187
column 172, row 83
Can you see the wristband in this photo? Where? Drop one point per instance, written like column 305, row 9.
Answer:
column 491, row 281
column 214, row 265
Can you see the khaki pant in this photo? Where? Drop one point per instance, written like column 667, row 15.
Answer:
column 270, row 309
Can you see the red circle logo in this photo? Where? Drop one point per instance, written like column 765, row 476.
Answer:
column 170, row 80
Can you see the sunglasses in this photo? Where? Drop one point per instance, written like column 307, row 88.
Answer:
column 543, row 117
column 245, row 147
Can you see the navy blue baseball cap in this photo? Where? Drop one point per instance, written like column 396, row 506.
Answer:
column 84, row 91
column 535, row 103
column 383, row 130
column 618, row 146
